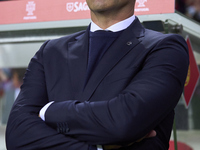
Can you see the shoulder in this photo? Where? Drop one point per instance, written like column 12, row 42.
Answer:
column 154, row 40
column 65, row 39
column 156, row 37
column 55, row 47
column 165, row 46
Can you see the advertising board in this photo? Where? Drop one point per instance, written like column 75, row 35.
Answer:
column 25, row 11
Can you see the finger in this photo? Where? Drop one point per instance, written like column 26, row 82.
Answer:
column 152, row 133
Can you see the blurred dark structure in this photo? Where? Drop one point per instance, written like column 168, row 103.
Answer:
column 190, row 8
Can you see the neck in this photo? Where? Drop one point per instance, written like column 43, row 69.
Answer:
column 105, row 20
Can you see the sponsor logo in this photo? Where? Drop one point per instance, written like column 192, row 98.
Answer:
column 70, row 7
column 30, row 8
column 77, row 6
column 141, row 3
column 141, row 6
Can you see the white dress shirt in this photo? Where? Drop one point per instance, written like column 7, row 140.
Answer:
column 114, row 28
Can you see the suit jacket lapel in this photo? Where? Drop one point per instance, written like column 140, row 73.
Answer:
column 77, row 61
column 126, row 42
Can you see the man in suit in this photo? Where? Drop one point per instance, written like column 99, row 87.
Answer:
column 102, row 88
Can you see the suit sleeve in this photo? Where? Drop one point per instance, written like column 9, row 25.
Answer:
column 151, row 95
column 25, row 130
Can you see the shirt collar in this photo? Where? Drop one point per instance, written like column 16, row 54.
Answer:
column 116, row 27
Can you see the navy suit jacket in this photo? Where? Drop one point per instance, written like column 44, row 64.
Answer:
column 133, row 90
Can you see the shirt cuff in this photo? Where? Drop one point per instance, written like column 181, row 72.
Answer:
column 43, row 110
column 99, row 147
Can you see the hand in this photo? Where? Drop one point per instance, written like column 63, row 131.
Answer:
column 152, row 133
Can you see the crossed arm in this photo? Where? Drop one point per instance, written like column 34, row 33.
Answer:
column 123, row 113
column 155, row 89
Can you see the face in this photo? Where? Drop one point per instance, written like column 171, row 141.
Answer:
column 109, row 5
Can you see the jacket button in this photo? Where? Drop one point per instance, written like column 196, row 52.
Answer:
column 67, row 130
